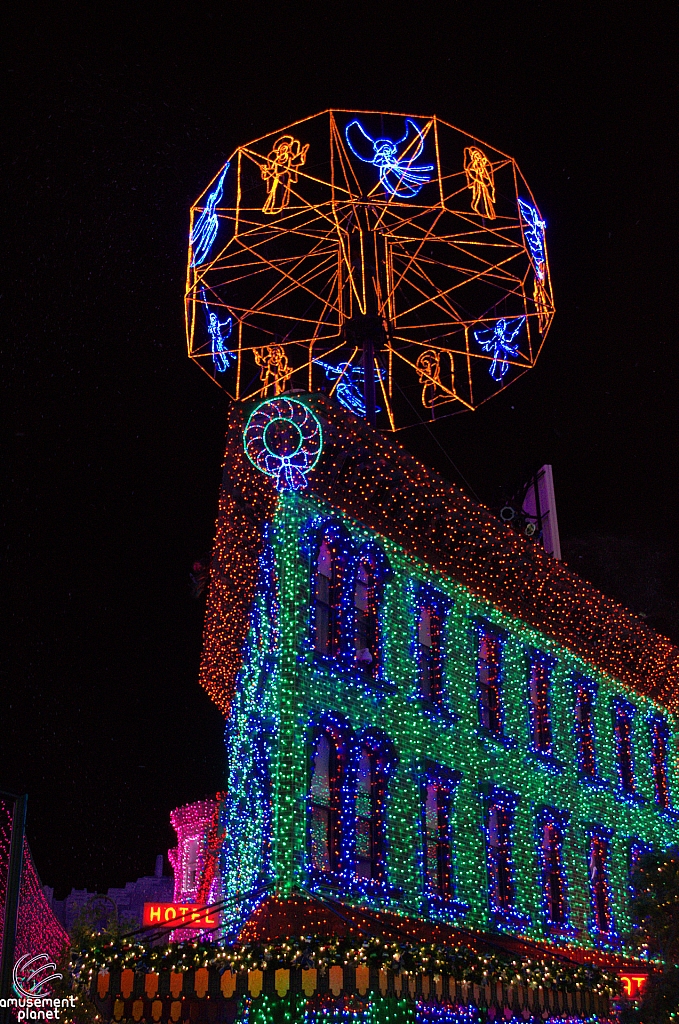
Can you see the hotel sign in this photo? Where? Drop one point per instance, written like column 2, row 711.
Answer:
column 181, row 915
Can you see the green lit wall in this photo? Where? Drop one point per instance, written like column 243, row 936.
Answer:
column 295, row 689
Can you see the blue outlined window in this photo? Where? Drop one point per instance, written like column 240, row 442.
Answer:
column 374, row 760
column 330, row 553
column 370, row 574
column 551, row 826
column 431, row 609
column 637, row 850
column 585, row 695
column 659, row 741
column 623, row 726
column 499, row 829
column 437, row 792
column 602, row 924
column 329, row 748
column 489, row 681
column 539, row 683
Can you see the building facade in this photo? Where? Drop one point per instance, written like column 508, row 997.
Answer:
column 425, row 714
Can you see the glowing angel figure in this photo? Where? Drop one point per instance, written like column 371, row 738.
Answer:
column 275, row 367
column 481, row 181
column 500, row 339
column 428, row 367
column 397, row 173
column 535, row 236
column 221, row 354
column 205, row 229
column 280, row 171
column 349, row 389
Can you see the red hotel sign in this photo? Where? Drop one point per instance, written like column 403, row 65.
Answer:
column 633, row 985
column 180, row 915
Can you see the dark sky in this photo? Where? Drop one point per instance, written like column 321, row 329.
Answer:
column 114, row 437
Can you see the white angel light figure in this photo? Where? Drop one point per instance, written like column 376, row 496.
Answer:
column 397, row 173
column 500, row 338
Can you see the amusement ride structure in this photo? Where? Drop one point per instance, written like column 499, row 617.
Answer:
column 392, row 261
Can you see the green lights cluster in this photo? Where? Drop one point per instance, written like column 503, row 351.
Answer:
column 283, row 687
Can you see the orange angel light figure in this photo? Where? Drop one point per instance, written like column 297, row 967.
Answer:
column 275, row 368
column 480, row 180
column 280, row 171
column 428, row 368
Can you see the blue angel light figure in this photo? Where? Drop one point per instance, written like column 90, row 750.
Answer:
column 535, row 236
column 500, row 339
column 349, row 390
column 205, row 229
column 221, row 355
column 397, row 173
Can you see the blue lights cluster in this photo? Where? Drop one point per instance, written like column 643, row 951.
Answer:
column 220, row 332
column 350, row 557
column 535, row 236
column 349, row 388
column 251, row 734
column 498, row 829
column 348, row 747
column 500, row 340
column 206, row 227
column 398, row 174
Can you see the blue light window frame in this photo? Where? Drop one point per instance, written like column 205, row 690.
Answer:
column 341, row 734
column 659, row 727
column 602, row 939
column 626, row 788
column 427, row 596
column 344, row 553
column 583, row 684
column 504, row 918
column 385, row 761
column 438, row 905
column 371, row 674
column 484, row 628
column 558, row 819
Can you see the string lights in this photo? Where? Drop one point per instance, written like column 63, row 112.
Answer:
column 349, row 227
column 544, row 738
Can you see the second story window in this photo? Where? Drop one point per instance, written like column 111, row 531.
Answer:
column 584, row 730
column 437, row 838
column 623, row 718
column 429, row 645
column 659, row 737
column 538, row 690
column 490, row 682
column 602, row 920
column 327, row 589
column 372, row 569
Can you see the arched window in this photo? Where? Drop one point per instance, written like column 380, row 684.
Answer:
column 429, row 641
column 490, row 682
column 598, row 885
column 371, row 572
column 325, row 800
column 327, row 592
column 584, row 730
column 191, row 865
column 659, row 736
column 553, row 885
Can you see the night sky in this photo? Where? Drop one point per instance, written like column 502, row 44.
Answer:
column 114, row 438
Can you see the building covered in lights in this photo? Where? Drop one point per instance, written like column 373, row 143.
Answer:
column 426, row 715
